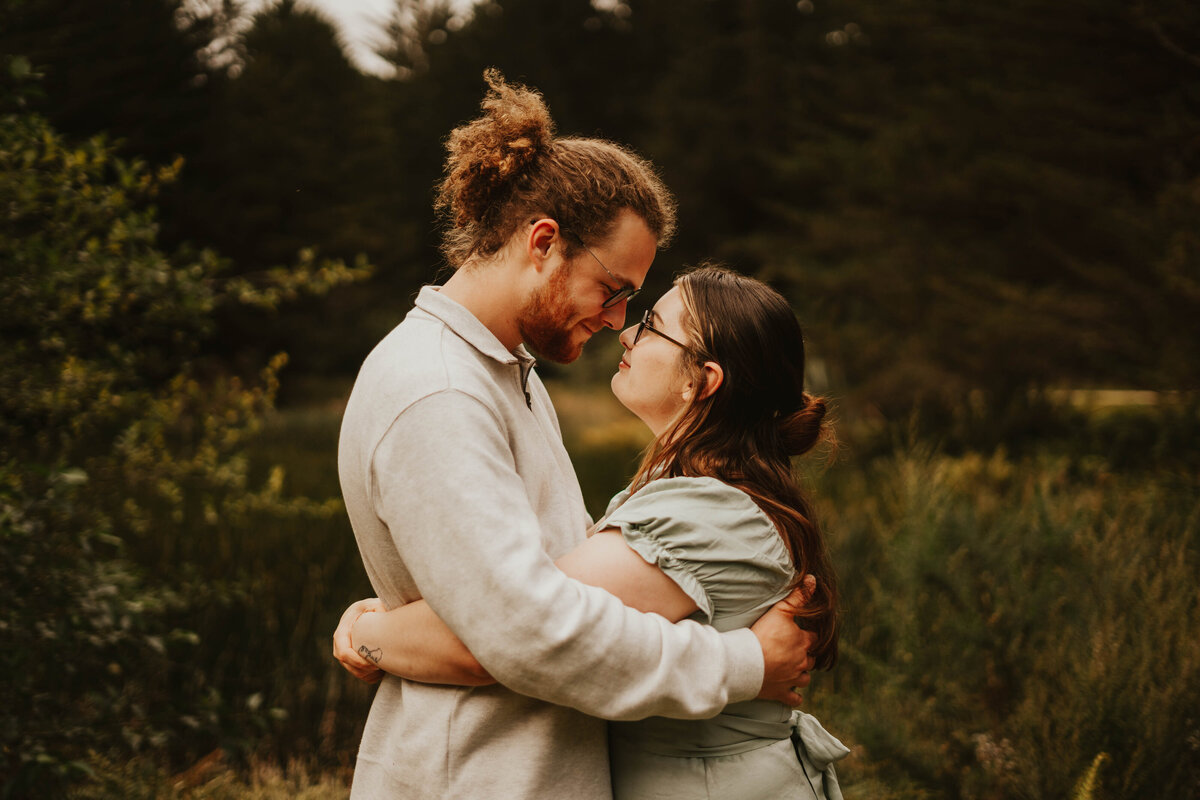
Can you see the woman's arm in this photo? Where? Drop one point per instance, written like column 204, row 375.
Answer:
column 412, row 641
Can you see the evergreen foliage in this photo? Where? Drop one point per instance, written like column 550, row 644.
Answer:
column 961, row 198
column 134, row 69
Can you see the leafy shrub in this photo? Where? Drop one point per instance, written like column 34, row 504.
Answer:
column 119, row 448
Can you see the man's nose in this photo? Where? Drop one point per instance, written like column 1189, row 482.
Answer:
column 614, row 315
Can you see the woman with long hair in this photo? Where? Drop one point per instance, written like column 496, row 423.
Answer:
column 713, row 527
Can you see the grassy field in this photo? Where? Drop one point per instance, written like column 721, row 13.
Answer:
column 1016, row 625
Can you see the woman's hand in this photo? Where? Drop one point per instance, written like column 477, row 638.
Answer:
column 343, row 645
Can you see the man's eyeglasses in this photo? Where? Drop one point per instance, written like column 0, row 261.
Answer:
column 626, row 292
column 647, row 325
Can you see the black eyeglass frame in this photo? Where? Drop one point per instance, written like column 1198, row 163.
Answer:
column 626, row 292
column 647, row 325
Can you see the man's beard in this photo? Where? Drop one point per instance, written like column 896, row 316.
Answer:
column 544, row 322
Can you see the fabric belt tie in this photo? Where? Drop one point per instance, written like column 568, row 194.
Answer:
column 822, row 746
column 817, row 750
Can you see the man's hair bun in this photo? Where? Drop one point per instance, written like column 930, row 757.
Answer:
column 489, row 153
column 506, row 167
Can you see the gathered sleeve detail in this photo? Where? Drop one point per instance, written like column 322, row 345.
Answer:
column 711, row 539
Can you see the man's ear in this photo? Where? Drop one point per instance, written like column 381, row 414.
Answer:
column 542, row 240
column 711, row 376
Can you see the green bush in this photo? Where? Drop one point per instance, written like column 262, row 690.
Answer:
column 121, row 460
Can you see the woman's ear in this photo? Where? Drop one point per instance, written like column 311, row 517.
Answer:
column 711, row 378
column 714, row 376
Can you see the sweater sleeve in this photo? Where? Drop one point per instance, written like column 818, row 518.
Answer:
column 444, row 481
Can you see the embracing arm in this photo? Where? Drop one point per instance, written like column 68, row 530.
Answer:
column 412, row 641
column 460, row 514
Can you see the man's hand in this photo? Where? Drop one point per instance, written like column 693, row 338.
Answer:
column 343, row 646
column 785, row 647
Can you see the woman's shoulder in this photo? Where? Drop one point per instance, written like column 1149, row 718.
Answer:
column 690, row 491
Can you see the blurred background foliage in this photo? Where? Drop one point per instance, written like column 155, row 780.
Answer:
column 986, row 214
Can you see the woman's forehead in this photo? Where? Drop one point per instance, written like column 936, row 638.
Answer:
column 668, row 307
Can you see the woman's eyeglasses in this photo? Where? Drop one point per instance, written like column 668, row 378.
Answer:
column 647, row 325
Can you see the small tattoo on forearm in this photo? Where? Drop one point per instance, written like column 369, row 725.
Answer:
column 374, row 656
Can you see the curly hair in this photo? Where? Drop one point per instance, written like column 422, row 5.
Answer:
column 507, row 166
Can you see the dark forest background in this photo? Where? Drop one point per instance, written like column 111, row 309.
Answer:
column 987, row 216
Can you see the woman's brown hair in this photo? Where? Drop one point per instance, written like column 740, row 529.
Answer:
column 746, row 431
column 506, row 167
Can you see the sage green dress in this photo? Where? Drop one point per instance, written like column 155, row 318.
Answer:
column 724, row 552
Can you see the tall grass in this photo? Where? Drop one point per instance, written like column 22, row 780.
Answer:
column 211, row 778
column 1012, row 623
column 298, row 576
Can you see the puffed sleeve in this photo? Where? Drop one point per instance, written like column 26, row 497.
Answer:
column 712, row 540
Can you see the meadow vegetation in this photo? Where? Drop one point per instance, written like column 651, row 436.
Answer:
column 1015, row 625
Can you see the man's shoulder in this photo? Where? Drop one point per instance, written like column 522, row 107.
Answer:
column 414, row 346
column 419, row 358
